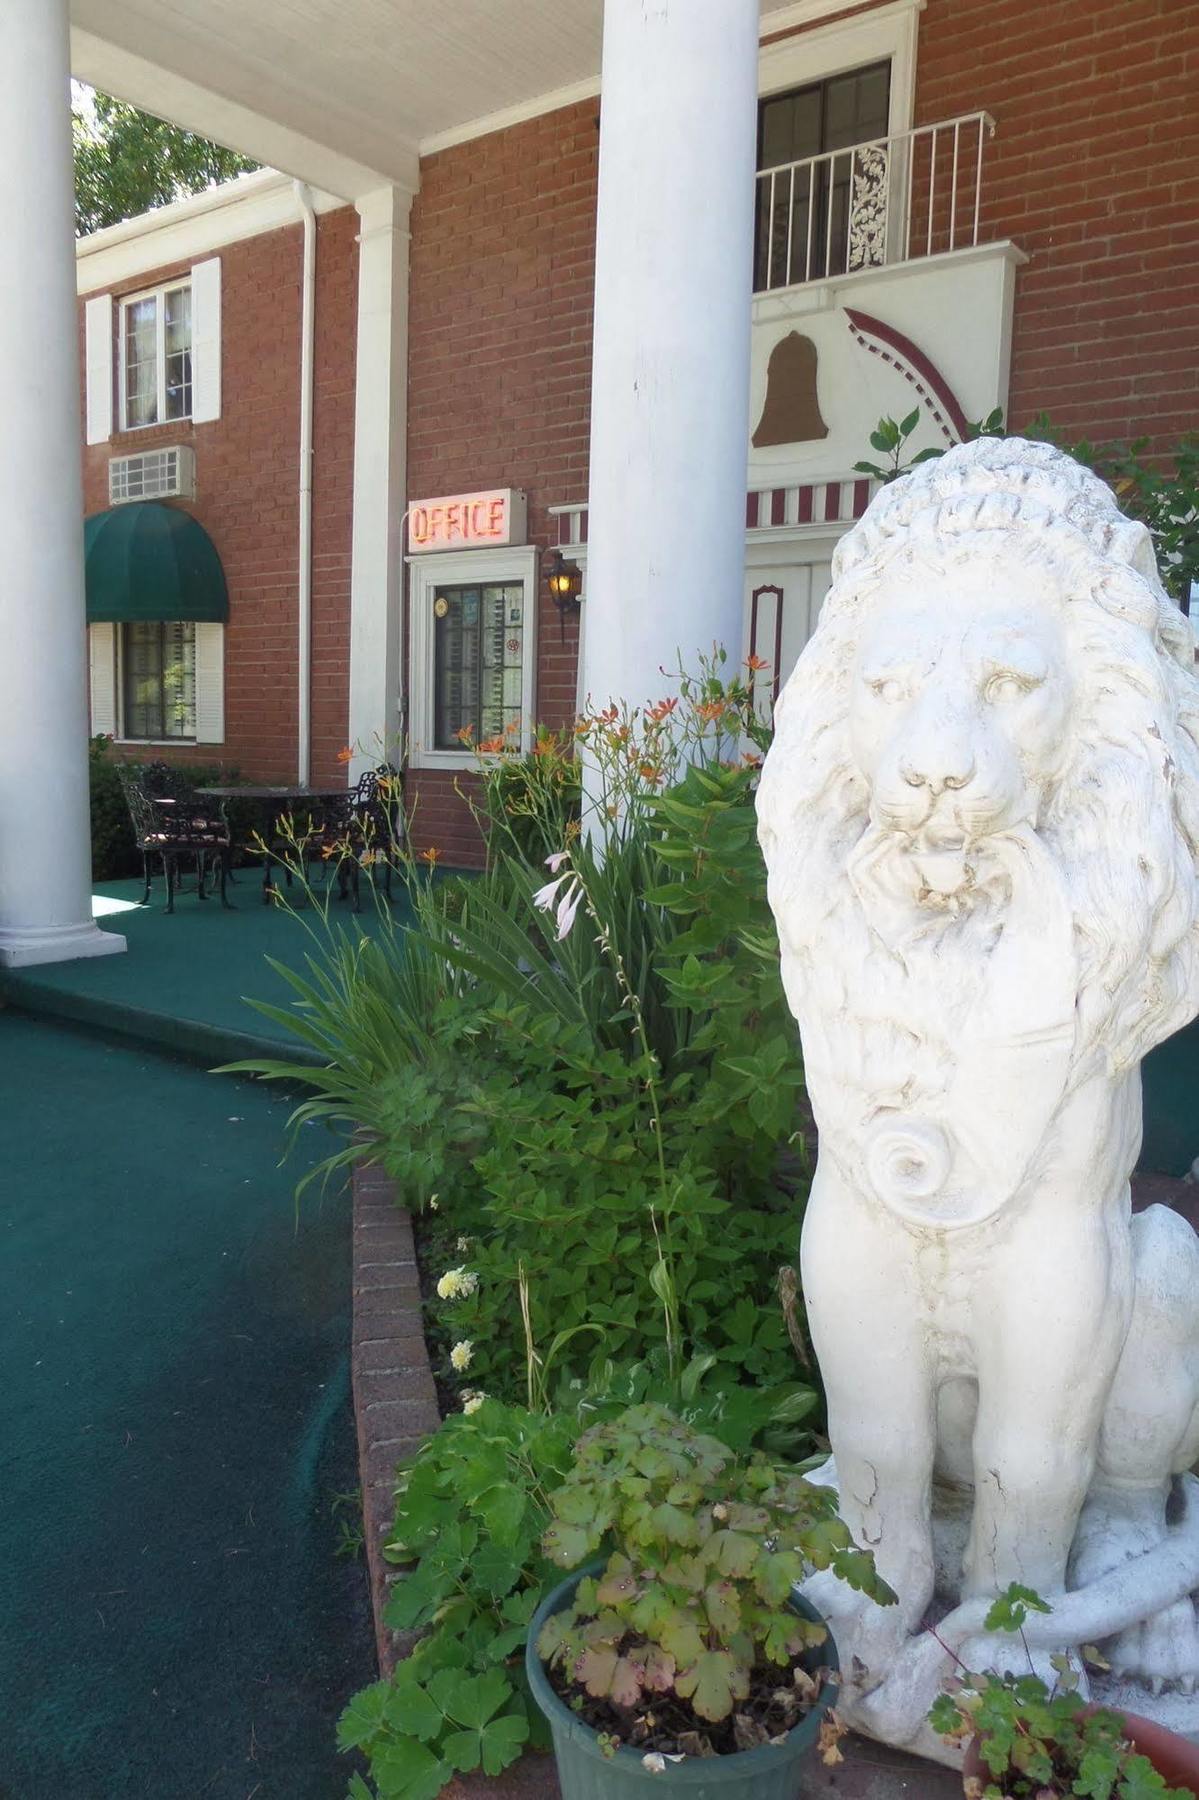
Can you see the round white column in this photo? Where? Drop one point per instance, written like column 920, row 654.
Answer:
column 45, row 845
column 670, row 380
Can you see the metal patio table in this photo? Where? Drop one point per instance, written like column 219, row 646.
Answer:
column 274, row 802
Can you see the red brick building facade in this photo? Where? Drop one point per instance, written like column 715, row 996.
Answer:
column 1092, row 175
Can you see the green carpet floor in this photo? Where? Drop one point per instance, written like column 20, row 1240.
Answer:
column 185, row 979
column 175, row 1423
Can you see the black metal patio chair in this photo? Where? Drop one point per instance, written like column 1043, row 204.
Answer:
column 170, row 820
column 363, row 830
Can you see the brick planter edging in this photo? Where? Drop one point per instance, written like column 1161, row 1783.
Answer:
column 395, row 1401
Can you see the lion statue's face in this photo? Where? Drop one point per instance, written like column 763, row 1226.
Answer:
column 959, row 711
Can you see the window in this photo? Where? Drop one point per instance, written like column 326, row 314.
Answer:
column 802, row 223
column 156, row 357
column 472, row 646
column 478, row 658
column 158, row 679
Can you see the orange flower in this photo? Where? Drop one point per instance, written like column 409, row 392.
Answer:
column 346, row 755
column 432, row 855
column 650, row 772
column 661, row 711
column 465, row 733
column 709, row 710
column 491, row 746
column 756, row 663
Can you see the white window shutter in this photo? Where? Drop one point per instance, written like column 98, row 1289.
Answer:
column 97, row 334
column 206, row 340
column 102, row 674
column 210, row 684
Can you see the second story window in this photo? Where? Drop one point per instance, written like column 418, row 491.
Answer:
column 802, row 223
column 156, row 357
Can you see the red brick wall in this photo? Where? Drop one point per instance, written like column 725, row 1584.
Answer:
column 1094, row 171
column 247, row 476
column 503, row 258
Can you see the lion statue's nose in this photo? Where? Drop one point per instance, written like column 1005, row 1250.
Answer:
column 924, row 772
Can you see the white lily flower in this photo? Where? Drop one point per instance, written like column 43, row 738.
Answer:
column 546, row 900
column 568, row 906
column 554, row 863
column 543, row 899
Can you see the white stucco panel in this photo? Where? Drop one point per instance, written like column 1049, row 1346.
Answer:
column 955, row 310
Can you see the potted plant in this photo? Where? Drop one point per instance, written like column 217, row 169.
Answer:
column 686, row 1659
column 1026, row 1741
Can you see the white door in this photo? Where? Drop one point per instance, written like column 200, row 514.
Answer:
column 782, row 603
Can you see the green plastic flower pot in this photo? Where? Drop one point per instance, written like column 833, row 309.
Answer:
column 772, row 1772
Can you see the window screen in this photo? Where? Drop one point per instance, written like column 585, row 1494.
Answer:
column 158, row 679
column 478, row 656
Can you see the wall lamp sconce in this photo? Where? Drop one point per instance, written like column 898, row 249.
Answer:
column 565, row 582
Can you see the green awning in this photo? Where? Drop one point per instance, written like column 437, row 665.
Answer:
column 145, row 560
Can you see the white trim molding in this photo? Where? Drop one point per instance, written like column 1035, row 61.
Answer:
column 517, row 563
column 887, row 34
column 380, row 465
column 188, row 229
column 810, row 12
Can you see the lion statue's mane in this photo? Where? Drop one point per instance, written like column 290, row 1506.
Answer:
column 1123, row 821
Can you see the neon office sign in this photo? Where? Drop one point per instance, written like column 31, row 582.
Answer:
column 485, row 521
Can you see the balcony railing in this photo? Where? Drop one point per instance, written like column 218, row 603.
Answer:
column 918, row 193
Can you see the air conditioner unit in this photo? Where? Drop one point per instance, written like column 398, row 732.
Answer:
column 164, row 474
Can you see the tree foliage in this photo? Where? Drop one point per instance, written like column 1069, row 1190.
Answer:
column 126, row 162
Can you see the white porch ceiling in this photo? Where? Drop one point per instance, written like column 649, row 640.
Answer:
column 347, row 93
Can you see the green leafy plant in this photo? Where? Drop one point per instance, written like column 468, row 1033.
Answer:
column 1037, row 1742
column 471, row 1508
column 706, row 1548
column 891, row 439
column 346, row 1511
column 607, row 1108
column 531, row 804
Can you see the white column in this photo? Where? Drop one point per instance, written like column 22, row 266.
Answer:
column 670, row 380
column 380, row 432
column 45, row 843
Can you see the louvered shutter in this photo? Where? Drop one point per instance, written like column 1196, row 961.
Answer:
column 206, row 340
column 210, row 683
column 102, row 677
column 97, row 335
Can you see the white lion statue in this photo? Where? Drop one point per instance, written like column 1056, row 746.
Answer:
column 980, row 816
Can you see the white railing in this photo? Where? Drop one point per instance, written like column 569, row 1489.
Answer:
column 918, row 193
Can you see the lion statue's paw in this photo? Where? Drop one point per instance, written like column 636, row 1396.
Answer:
column 869, row 1637
column 1161, row 1652
column 1117, row 1527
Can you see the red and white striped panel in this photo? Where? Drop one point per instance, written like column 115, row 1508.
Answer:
column 814, row 503
column 808, row 503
